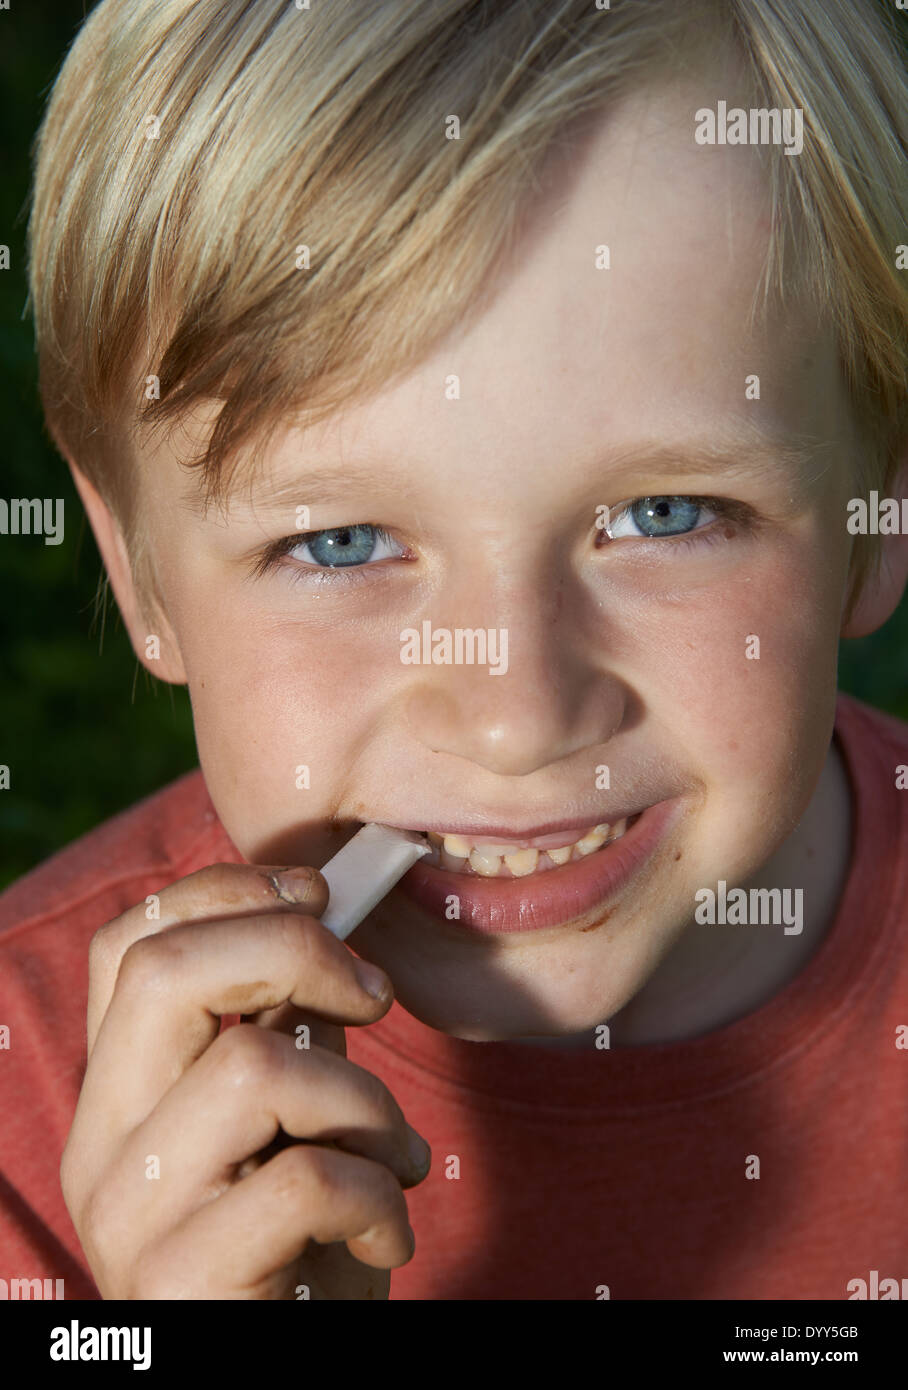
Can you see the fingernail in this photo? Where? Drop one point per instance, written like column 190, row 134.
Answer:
column 293, row 885
column 373, row 980
column 420, row 1153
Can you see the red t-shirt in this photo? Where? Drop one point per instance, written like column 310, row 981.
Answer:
column 624, row 1168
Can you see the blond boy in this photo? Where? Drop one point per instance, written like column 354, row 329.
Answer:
column 511, row 318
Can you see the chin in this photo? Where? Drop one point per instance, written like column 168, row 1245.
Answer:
column 505, row 1012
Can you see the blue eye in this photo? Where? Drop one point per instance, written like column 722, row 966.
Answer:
column 341, row 546
column 316, row 557
column 659, row 516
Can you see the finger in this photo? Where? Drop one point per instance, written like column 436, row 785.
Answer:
column 219, row 891
column 300, row 1025
column 247, row 1088
column 235, row 1245
column 173, row 986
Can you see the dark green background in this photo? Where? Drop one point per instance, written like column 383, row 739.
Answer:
column 84, row 729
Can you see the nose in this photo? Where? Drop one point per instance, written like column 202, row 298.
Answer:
column 557, row 696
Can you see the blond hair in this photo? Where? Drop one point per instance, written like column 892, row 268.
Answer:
column 279, row 128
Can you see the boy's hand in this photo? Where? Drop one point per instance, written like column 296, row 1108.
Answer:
column 171, row 1172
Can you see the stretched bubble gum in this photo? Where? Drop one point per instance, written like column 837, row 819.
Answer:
column 365, row 870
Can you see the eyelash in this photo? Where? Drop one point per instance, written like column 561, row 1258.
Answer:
column 725, row 510
column 304, row 572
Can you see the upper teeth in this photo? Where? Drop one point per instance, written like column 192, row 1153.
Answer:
column 486, row 857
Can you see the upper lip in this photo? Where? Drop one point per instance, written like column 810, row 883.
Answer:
column 485, row 833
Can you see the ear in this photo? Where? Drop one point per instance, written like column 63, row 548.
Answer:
column 167, row 665
column 882, row 593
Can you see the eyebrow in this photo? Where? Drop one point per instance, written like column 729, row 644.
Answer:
column 798, row 460
column 321, row 484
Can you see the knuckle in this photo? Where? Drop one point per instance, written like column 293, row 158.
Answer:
column 309, row 1172
column 323, row 1178
column 304, row 1173
column 309, row 1177
column 247, row 1056
column 149, row 964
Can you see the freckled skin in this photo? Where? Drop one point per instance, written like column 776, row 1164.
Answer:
column 645, row 668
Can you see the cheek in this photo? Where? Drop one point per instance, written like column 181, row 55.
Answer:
column 274, row 707
column 749, row 680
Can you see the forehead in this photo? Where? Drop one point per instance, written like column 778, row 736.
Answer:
column 651, row 340
column 660, row 337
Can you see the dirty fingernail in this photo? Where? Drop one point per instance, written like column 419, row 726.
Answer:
column 294, row 885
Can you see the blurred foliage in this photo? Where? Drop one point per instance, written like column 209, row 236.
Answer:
column 83, row 728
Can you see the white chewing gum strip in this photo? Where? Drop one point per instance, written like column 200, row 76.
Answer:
column 365, row 870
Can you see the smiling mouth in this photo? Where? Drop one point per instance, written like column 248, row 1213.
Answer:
column 600, row 867
column 489, row 858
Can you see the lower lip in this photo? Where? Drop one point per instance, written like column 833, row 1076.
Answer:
column 556, row 897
